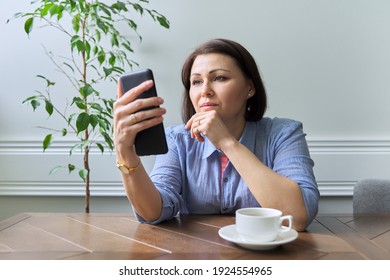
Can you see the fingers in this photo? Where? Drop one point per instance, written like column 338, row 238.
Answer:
column 133, row 93
column 128, row 126
column 207, row 124
column 119, row 90
column 142, row 116
column 129, row 116
column 128, row 103
column 126, row 130
column 195, row 124
column 197, row 132
column 138, row 121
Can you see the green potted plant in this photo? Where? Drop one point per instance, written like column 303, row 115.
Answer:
column 99, row 51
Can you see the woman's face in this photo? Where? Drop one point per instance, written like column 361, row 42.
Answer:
column 217, row 83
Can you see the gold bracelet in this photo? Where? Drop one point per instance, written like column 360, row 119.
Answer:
column 125, row 169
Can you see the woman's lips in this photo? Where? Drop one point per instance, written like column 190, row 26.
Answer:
column 208, row 105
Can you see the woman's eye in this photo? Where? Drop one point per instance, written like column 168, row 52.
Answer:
column 220, row 78
column 196, row 82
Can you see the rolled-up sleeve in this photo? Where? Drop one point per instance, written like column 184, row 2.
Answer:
column 167, row 177
column 292, row 160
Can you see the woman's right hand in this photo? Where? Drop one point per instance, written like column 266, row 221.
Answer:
column 129, row 120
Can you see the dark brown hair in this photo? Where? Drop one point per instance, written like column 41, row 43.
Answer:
column 256, row 105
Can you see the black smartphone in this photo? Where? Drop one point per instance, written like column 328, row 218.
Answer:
column 151, row 141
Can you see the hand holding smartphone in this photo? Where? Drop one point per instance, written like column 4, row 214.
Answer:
column 151, row 141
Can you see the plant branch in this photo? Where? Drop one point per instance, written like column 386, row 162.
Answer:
column 61, row 114
column 56, row 25
column 59, row 68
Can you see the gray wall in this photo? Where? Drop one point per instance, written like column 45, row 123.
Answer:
column 325, row 63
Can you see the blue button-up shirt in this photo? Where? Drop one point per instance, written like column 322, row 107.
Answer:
column 189, row 176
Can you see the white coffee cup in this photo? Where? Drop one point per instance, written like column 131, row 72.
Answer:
column 258, row 224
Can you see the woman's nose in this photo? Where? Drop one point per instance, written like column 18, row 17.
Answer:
column 206, row 90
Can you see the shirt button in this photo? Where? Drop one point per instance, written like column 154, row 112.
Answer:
column 225, row 180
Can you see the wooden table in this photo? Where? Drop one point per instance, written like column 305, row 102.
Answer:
column 119, row 236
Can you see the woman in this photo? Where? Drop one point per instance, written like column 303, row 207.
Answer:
column 226, row 155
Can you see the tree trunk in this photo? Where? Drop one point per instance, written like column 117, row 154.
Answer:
column 87, row 180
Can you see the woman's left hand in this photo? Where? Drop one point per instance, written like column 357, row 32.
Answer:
column 208, row 124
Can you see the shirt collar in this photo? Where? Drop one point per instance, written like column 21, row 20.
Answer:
column 247, row 139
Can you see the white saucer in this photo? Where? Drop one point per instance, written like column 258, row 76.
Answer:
column 230, row 233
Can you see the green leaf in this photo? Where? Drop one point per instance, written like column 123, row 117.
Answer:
column 83, row 173
column 72, row 5
column 33, row 101
column 138, row 8
column 74, row 148
column 81, row 46
column 103, row 26
column 71, row 167
column 121, row 6
column 34, row 97
column 28, row 25
column 87, row 50
column 86, row 90
column 107, row 71
column 101, row 56
column 35, row 104
column 80, row 146
column 49, row 107
column 163, row 21
column 104, row 9
column 45, row 9
column 60, row 12
column 94, row 120
column 100, row 146
column 70, row 67
column 95, row 50
column 97, row 107
column 47, row 141
column 64, row 132
column 53, row 10
column 114, row 40
column 128, row 47
column 112, row 60
column 56, row 10
column 108, row 140
column 79, row 103
column 55, row 169
column 49, row 83
column 98, row 35
column 81, row 6
column 109, row 104
column 71, row 118
column 103, row 124
column 82, row 122
column 76, row 23
column 76, row 41
column 132, row 24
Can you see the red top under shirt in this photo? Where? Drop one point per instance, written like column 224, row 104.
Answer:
column 224, row 162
